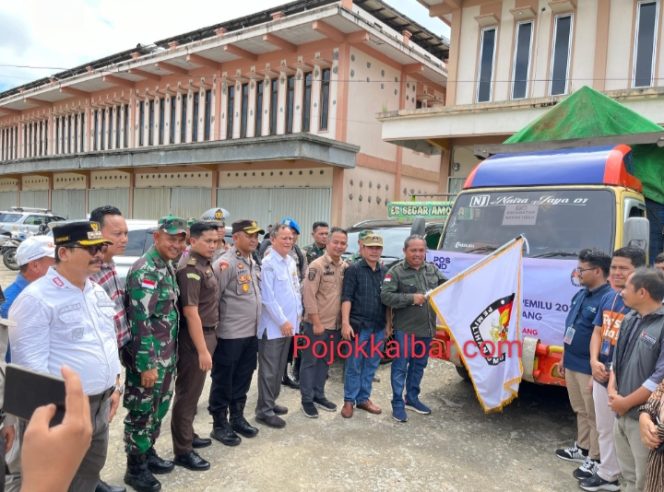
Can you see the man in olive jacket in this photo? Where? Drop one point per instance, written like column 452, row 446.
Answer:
column 414, row 320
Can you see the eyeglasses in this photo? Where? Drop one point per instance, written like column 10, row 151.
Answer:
column 92, row 250
column 581, row 270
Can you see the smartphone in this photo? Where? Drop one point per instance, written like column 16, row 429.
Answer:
column 25, row 390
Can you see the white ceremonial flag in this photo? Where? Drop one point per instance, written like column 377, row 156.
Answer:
column 481, row 307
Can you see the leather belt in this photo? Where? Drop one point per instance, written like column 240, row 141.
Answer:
column 101, row 397
column 209, row 328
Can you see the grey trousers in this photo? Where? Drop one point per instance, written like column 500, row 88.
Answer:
column 272, row 360
column 632, row 453
column 314, row 366
column 87, row 475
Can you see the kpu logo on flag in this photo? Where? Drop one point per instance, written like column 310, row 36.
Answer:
column 481, row 307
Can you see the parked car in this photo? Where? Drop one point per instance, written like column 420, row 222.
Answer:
column 394, row 234
column 140, row 240
column 25, row 219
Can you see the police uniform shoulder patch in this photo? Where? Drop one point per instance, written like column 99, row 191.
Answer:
column 312, row 274
column 223, row 264
column 193, row 276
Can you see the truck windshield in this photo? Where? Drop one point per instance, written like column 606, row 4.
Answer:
column 557, row 223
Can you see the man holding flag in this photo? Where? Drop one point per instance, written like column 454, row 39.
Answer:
column 405, row 290
column 481, row 308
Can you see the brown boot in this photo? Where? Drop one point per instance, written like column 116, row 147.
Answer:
column 347, row 410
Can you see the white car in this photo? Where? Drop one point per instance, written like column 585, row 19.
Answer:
column 25, row 219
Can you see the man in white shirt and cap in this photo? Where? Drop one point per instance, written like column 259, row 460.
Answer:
column 65, row 319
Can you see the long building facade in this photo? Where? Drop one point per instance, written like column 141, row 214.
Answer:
column 512, row 60
column 269, row 115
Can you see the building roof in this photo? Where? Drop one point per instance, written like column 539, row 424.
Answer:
column 435, row 45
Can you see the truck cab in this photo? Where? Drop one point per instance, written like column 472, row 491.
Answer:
column 561, row 201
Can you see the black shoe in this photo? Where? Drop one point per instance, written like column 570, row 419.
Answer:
column 225, row 435
column 596, row 483
column 309, row 410
column 139, row 476
column 272, row 421
column 280, row 410
column 158, row 465
column 242, row 427
column 325, row 404
column 104, row 487
column 192, row 461
column 291, row 383
column 200, row 442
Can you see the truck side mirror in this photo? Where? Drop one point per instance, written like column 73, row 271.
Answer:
column 418, row 227
column 637, row 233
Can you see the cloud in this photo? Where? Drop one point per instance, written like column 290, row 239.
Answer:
column 75, row 32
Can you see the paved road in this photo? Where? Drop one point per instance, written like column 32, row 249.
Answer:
column 457, row 448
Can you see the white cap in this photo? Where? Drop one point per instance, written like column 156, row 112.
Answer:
column 33, row 248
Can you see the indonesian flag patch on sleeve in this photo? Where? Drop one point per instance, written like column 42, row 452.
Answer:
column 388, row 277
column 148, row 284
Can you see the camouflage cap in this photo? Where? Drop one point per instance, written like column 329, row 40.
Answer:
column 372, row 240
column 172, row 225
column 364, row 233
column 191, row 221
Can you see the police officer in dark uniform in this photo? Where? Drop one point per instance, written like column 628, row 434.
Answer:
column 197, row 340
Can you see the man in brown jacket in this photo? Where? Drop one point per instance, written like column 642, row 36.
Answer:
column 322, row 306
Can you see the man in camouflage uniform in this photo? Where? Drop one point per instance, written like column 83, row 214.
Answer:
column 149, row 357
column 315, row 250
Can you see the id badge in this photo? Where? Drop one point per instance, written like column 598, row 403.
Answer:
column 569, row 335
column 606, row 347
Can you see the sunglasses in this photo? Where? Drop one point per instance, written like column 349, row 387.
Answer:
column 94, row 249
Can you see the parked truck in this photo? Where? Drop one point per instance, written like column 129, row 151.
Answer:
column 562, row 201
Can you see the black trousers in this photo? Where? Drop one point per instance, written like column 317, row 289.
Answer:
column 233, row 365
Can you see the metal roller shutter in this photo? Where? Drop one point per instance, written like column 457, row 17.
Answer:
column 118, row 197
column 8, row 199
column 38, row 199
column 151, row 203
column 268, row 205
column 190, row 202
column 69, row 204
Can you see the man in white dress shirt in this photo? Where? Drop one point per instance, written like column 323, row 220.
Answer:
column 280, row 318
column 65, row 319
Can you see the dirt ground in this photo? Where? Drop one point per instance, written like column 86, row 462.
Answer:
column 457, row 448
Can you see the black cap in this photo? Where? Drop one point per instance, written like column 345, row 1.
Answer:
column 84, row 232
column 248, row 226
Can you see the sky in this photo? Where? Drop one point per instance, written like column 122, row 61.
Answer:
column 57, row 35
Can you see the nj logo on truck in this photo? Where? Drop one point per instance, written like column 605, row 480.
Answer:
column 479, row 200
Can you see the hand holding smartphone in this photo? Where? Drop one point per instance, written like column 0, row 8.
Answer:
column 25, row 390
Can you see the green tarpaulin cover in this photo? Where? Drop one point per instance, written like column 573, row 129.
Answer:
column 587, row 113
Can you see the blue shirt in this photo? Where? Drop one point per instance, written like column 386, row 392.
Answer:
column 11, row 293
column 611, row 312
column 581, row 318
column 280, row 295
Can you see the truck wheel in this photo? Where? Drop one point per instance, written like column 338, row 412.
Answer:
column 9, row 259
column 461, row 371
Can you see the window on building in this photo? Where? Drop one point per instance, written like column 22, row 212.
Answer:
column 290, row 103
column 183, row 118
column 81, row 135
column 306, row 102
column 118, row 120
column 111, row 127
column 274, row 105
column 562, row 42
column 141, row 124
column 75, row 135
column 151, row 122
column 162, row 123
column 103, row 129
column 25, row 140
column 522, row 48
column 244, row 110
column 207, row 127
column 125, row 135
column 258, row 122
column 485, row 69
column 646, row 43
column 324, row 99
column 194, row 116
column 230, row 110
column 171, row 128
column 69, row 135
column 95, row 128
